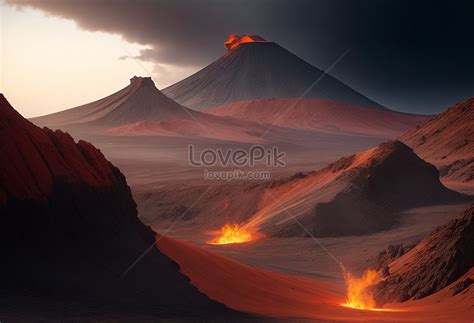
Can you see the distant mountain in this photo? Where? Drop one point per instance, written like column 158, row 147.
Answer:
column 322, row 116
column 443, row 260
column 254, row 68
column 447, row 141
column 69, row 228
column 140, row 100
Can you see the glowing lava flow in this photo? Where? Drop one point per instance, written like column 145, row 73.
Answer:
column 235, row 40
column 231, row 233
column 359, row 294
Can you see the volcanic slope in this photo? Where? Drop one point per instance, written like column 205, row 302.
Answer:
column 284, row 296
column 447, row 141
column 140, row 100
column 358, row 194
column 69, row 227
column 260, row 70
column 322, row 116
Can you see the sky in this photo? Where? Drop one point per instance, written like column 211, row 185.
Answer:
column 413, row 56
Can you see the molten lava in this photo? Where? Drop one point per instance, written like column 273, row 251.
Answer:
column 235, row 40
column 231, row 233
column 359, row 294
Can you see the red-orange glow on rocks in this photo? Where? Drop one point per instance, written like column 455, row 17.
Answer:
column 231, row 233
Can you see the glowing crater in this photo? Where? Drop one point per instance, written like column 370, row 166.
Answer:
column 235, row 40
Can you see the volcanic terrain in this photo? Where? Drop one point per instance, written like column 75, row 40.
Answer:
column 357, row 194
column 284, row 296
column 292, row 246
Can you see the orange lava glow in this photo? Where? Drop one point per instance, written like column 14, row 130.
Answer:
column 358, row 292
column 235, row 40
column 231, row 233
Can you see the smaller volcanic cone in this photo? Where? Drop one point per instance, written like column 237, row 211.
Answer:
column 231, row 233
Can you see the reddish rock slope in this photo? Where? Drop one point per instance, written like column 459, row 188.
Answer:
column 140, row 100
column 322, row 115
column 358, row 194
column 441, row 259
column 447, row 141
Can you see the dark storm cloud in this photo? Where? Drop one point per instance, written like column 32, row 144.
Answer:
column 408, row 55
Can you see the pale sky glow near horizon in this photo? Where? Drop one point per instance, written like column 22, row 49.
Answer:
column 48, row 64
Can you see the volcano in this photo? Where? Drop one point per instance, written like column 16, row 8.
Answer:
column 254, row 68
column 447, row 141
column 69, row 228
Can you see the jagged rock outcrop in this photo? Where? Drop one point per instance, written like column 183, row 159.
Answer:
column 385, row 257
column 69, row 226
column 436, row 262
column 447, row 141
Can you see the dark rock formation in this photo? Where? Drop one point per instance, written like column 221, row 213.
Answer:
column 393, row 179
column 69, row 226
column 385, row 257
